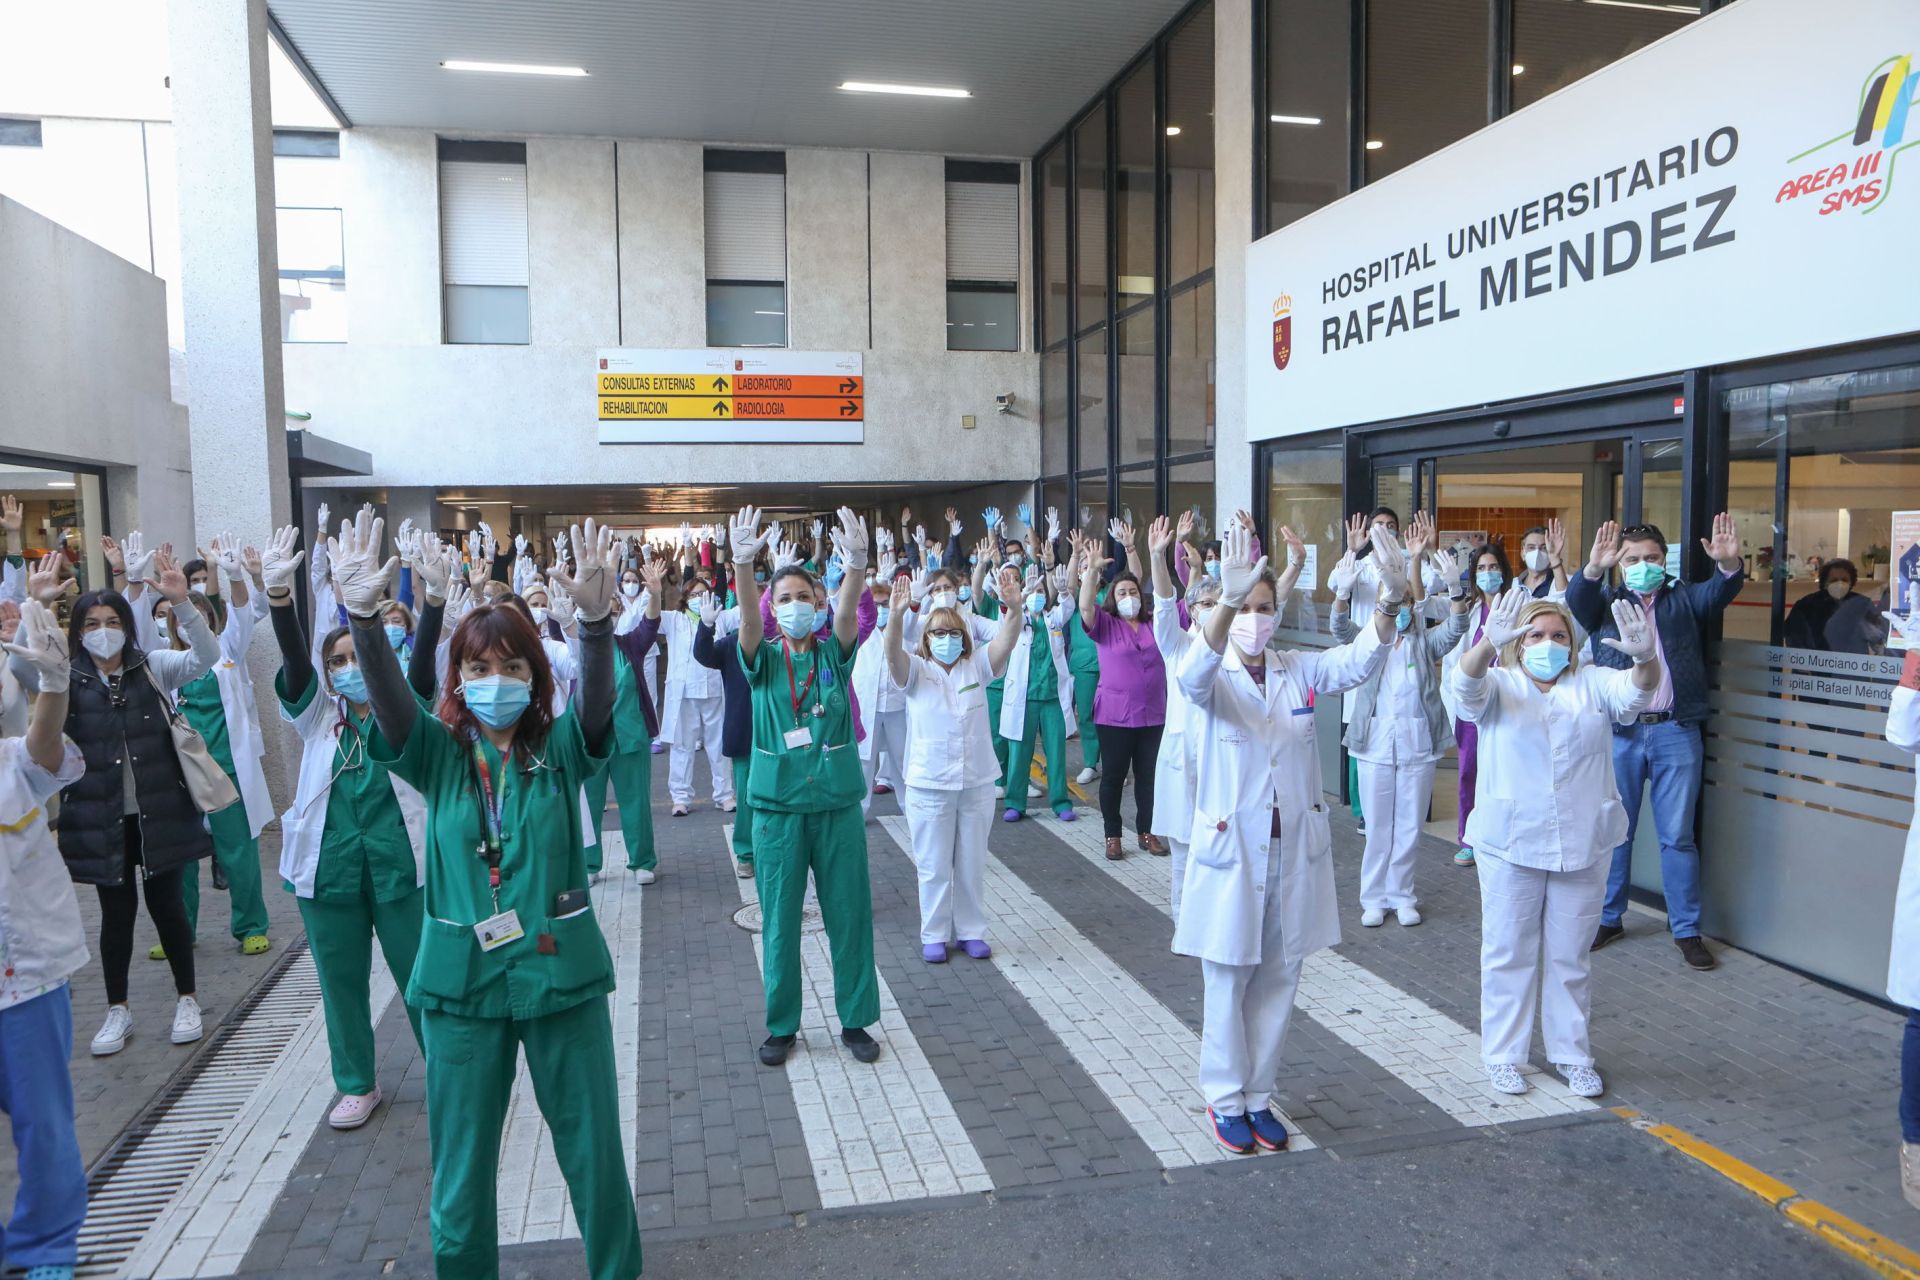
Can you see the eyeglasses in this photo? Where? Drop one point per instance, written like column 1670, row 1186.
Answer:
column 943, row 634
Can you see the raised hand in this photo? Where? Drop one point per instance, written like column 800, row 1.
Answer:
column 1007, row 586
column 1296, row 545
column 43, row 583
column 1120, row 531
column 953, row 523
column 1419, row 534
column 226, row 550
column 325, row 513
column 116, row 559
column 748, row 537
column 12, row 517
column 1239, row 571
column 1053, row 524
column 432, row 565
column 1636, row 635
column 850, row 539
column 1503, row 615
column 1724, row 546
column 359, row 576
column 1606, row 549
column 1344, row 575
column 900, row 599
column 1390, row 562
column 1184, row 530
column 281, row 560
column 1357, row 532
column 139, row 560
column 1024, row 512
column 1556, row 542
column 39, row 642
column 594, row 574
column 9, row 621
column 167, row 578
column 993, row 520
column 560, row 606
column 459, row 600
column 1159, row 535
column 709, row 606
column 1447, row 564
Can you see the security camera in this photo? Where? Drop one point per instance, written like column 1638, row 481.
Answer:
column 1004, row 402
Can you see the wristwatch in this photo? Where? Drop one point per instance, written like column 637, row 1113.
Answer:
column 1388, row 607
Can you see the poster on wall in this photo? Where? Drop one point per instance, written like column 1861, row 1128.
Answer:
column 1905, row 545
column 1686, row 206
column 729, row 396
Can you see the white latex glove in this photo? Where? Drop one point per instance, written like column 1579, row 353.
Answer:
column 560, row 606
column 358, row 575
column 1390, row 562
column 560, row 546
column 433, row 565
column 954, row 526
column 281, row 559
column 475, row 543
column 817, row 529
column 850, row 539
column 883, row 539
column 920, row 536
column 459, row 602
column 1053, row 524
column 748, row 537
column 139, row 559
column 709, row 607
column 1636, row 634
column 1447, row 565
column 226, row 552
column 1117, row 531
column 520, row 545
column 326, row 514
column 594, row 572
column 41, row 644
column 1238, row 569
column 1344, row 575
column 1503, row 616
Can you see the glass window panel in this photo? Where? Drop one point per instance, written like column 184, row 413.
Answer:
column 1053, row 244
column 1091, row 514
column 746, row 315
column 1053, row 494
column 314, row 309
column 1308, row 84
column 1090, row 220
column 1190, row 370
column 1190, row 488
column 1092, row 395
column 983, row 319
column 1190, row 151
column 310, row 240
column 485, row 313
column 1426, row 78
column 1304, row 492
column 60, row 514
column 1556, row 43
column 1055, row 421
column 1133, row 103
column 1136, row 356
column 1138, row 504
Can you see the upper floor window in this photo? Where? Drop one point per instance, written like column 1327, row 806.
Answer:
column 309, row 229
column 983, row 256
column 746, row 224
column 483, row 241
column 15, row 132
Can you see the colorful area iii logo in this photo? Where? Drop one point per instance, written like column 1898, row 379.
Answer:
column 1282, row 330
column 1857, row 170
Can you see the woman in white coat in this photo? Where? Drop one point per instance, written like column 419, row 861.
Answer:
column 1546, row 823
column 693, row 710
column 951, row 764
column 1903, row 964
column 1258, row 895
column 883, row 707
column 1173, row 771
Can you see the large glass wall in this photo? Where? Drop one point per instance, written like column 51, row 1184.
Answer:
column 1556, row 43
column 1309, row 79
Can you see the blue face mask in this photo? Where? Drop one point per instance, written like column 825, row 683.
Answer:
column 1036, row 603
column 496, row 701
column 1213, row 568
column 1644, row 576
column 1546, row 660
column 760, row 575
column 945, row 649
column 349, row 684
column 966, row 593
column 396, row 635
column 796, row 618
column 1488, row 580
column 882, row 614
column 1404, row 618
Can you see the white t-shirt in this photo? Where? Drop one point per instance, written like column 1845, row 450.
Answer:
column 949, row 740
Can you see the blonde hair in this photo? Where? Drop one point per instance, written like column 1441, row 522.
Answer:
column 1510, row 652
column 952, row 619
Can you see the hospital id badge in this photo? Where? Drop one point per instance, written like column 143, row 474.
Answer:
column 799, row 738
column 497, row 931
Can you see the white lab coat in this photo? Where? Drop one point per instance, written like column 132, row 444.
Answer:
column 1173, row 770
column 877, row 694
column 686, row 679
column 44, row 940
column 1903, row 964
column 1013, row 701
column 1254, row 754
column 303, row 825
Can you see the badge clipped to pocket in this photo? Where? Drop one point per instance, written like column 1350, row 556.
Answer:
column 799, row 738
column 497, row 931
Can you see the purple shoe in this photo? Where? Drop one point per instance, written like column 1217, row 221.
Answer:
column 934, row 953
column 1067, row 815
column 1012, row 815
column 975, row 948
column 658, row 746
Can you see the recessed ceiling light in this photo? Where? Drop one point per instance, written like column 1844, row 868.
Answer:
column 1374, row 144
column 1518, row 69
column 512, row 68
column 59, row 484
column 912, row 90
column 1173, row 131
column 1295, row 119
column 1652, row 5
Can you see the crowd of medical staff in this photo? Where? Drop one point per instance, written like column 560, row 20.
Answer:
column 465, row 712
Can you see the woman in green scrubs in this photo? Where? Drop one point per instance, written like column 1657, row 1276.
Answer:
column 511, row 957
column 806, row 783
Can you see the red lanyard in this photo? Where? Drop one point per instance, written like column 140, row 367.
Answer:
column 798, row 692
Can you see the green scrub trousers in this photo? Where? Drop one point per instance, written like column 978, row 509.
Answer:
column 1084, row 685
column 1046, row 722
column 742, row 813
column 238, row 852
column 631, row 775
column 340, row 933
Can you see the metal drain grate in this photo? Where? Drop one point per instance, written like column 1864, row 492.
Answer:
column 139, row 1177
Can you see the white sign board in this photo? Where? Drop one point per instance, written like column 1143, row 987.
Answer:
column 1906, row 577
column 729, row 396
column 1724, row 194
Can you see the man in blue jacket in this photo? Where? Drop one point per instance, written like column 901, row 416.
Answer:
column 1663, row 746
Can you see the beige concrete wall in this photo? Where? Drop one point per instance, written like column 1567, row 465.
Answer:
column 663, row 264
column 571, row 246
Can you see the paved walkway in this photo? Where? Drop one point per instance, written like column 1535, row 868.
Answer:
column 1048, row 1094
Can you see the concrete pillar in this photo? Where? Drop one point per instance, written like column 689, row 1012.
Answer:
column 1233, row 126
column 417, row 505
column 663, row 244
column 827, row 251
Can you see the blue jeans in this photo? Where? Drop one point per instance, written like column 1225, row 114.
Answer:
column 1910, row 1079
column 36, row 1093
column 1668, row 755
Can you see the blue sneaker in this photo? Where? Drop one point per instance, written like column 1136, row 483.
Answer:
column 1268, row 1132
column 1012, row 815
column 1464, row 858
column 1233, row 1132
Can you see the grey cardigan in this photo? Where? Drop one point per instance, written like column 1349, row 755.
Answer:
column 1438, row 641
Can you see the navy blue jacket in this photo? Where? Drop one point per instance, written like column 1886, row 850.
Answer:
column 723, row 655
column 1681, row 612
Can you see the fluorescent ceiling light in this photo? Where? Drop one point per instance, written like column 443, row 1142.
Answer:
column 1374, row 144
column 512, row 68
column 1295, row 119
column 1173, row 131
column 912, row 90
column 769, row 313
column 59, row 484
column 1652, row 5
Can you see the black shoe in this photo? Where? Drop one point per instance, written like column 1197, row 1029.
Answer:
column 1695, row 953
column 219, row 878
column 1606, row 933
column 863, row 1046
column 774, row 1052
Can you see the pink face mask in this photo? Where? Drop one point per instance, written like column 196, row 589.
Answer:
column 1251, row 631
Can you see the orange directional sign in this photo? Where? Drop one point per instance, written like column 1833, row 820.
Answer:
column 804, row 408
column 773, row 384
column 730, row 396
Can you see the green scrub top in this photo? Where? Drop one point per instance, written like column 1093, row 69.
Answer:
column 1083, row 656
column 1043, row 682
column 365, row 839
column 559, row 963
column 825, row 774
column 200, row 700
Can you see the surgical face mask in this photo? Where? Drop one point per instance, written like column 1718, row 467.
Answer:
column 1129, row 607
column 350, row 684
column 796, row 618
column 1251, row 631
column 397, row 634
column 1536, row 559
column 973, row 560
column 881, row 615
column 631, row 590
column 966, row 593
column 1488, row 580
column 1403, row 619
column 199, row 585
column 104, row 643
column 1016, row 559
column 945, row 648
column 1201, row 612
column 165, row 629
column 872, row 582
column 1213, row 568
column 496, row 701
column 540, row 616
column 944, row 599
column 760, row 575
column 1036, row 602
column 1644, row 576
column 1546, row 660
column 1839, row 588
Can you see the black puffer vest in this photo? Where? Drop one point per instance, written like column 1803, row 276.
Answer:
column 92, row 838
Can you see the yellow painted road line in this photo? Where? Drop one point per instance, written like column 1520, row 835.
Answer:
column 1038, row 771
column 1862, row 1243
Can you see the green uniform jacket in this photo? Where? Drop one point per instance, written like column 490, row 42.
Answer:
column 825, row 774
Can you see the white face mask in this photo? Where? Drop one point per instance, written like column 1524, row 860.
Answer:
column 945, row 599
column 1129, row 607
column 631, row 590
column 1537, row 560
column 1839, row 588
column 105, row 643
column 539, row 615
column 200, row 587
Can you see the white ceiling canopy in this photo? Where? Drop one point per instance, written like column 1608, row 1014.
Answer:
column 744, row 71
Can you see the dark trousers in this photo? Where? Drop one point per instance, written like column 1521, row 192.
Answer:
column 1122, row 749
column 120, row 906
column 1910, row 1079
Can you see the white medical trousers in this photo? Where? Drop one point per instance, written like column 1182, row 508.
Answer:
column 950, row 852
column 1245, row 1015
column 1394, row 799
column 886, row 732
column 702, row 721
column 1535, row 931
column 1177, row 856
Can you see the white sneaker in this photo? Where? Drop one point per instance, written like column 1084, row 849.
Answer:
column 1910, row 1172
column 1408, row 916
column 186, row 1020
column 1372, row 918
column 728, row 805
column 743, row 869
column 353, row 1110
column 1033, row 792
column 1084, row 777
column 113, row 1033
column 642, row 875
column 1506, row 1077
column 1000, row 791
column 1582, row 1082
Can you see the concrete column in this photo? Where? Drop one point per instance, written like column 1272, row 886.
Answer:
column 827, row 251
column 571, row 258
column 909, row 252
column 663, row 244
column 1233, row 126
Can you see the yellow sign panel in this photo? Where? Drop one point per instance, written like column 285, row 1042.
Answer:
column 665, row 384
column 665, row 408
